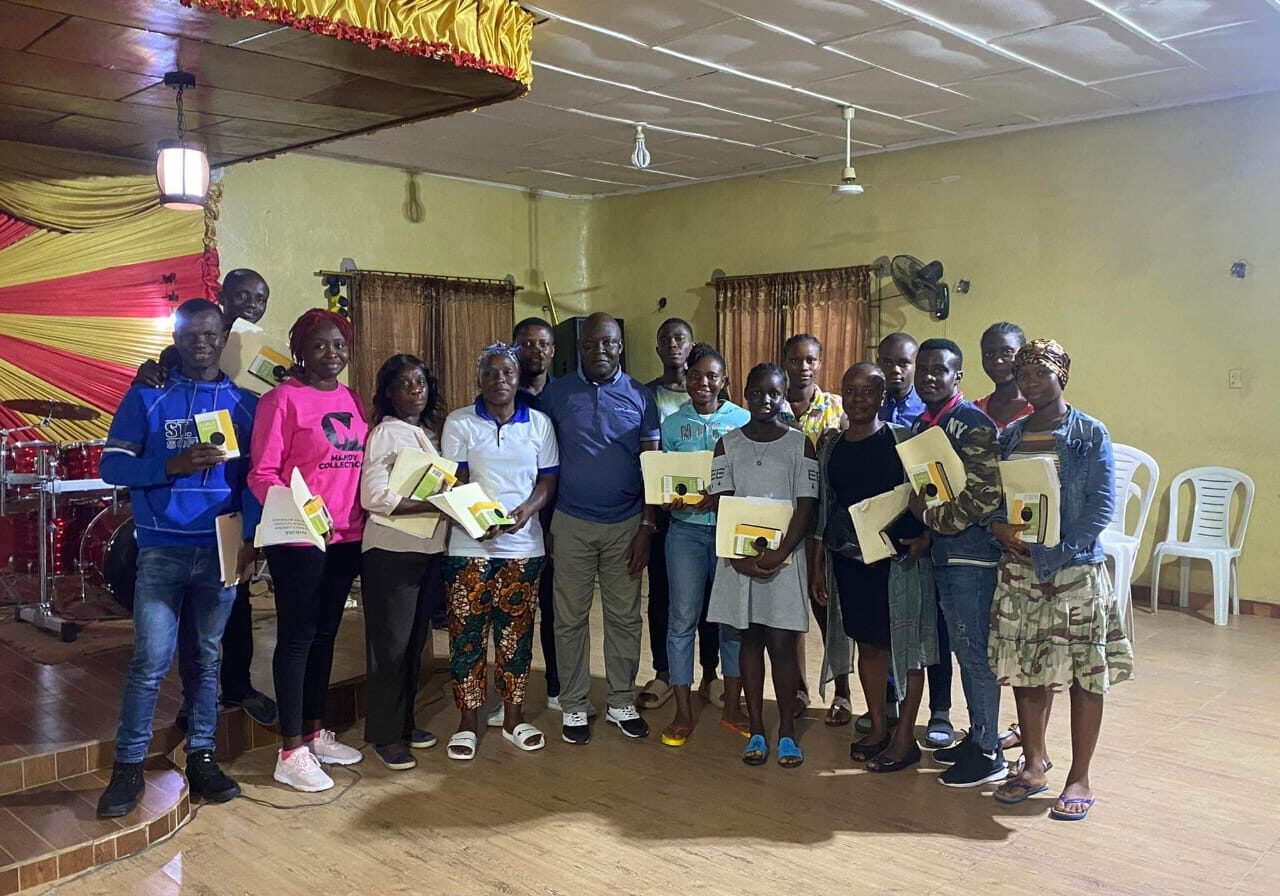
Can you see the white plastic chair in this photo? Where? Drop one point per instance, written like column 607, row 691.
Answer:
column 1213, row 493
column 1117, row 542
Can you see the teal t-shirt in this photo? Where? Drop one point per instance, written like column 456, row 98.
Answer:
column 687, row 430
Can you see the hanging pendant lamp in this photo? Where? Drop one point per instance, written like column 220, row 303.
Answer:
column 182, row 168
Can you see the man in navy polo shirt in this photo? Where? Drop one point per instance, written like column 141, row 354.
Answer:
column 601, row 528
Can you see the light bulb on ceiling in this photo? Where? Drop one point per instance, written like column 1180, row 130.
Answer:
column 640, row 155
column 848, row 185
column 182, row 168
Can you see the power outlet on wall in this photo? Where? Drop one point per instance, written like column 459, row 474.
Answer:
column 1235, row 378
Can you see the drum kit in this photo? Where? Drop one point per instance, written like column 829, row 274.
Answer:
column 59, row 519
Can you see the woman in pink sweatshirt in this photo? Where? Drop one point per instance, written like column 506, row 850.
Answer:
column 316, row 424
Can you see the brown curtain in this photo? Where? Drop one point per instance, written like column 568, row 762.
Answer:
column 755, row 315
column 444, row 322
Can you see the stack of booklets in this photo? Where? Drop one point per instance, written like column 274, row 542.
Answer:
column 1031, row 495
column 746, row 527
column 419, row 475
column 252, row 359
column 932, row 466
column 293, row 515
column 471, row 508
column 675, row 474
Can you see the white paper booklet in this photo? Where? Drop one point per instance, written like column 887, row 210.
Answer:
column 252, row 359
column 872, row 516
column 670, row 474
column 470, row 507
column 293, row 516
column 933, row 466
column 747, row 526
column 1031, row 495
column 230, row 529
column 418, row 474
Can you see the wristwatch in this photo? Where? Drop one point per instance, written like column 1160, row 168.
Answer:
column 649, row 524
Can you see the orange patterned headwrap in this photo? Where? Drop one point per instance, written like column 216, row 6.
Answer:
column 1047, row 352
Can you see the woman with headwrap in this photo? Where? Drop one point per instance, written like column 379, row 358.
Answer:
column 510, row 450
column 401, row 580
column 1054, row 622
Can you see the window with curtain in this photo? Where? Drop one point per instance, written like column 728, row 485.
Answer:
column 756, row 313
column 445, row 322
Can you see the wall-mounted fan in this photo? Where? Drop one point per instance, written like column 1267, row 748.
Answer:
column 919, row 283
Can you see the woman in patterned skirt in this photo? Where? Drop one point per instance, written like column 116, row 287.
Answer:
column 510, row 450
column 1054, row 622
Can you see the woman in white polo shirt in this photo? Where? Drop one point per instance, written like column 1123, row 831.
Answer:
column 510, row 450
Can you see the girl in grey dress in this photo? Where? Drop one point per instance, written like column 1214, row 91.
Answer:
column 763, row 597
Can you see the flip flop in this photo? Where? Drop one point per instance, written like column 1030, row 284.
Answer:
column 789, row 754
column 463, row 740
column 1017, row 791
column 756, row 751
column 654, row 694
column 743, row 728
column 861, row 751
column 840, row 713
column 883, row 764
column 523, row 733
column 940, row 734
column 1064, row 801
column 676, row 736
column 1012, row 737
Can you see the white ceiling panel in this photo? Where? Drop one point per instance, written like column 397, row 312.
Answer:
column 1170, row 18
column 752, row 48
column 1245, row 54
column 1092, row 50
column 887, row 92
column 918, row 70
column 746, row 96
column 925, row 52
column 1039, row 94
column 650, row 21
column 591, row 53
column 819, row 20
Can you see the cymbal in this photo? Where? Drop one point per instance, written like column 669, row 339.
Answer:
column 44, row 407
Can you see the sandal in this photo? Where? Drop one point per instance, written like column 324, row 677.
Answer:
column 789, row 754
column 1011, row 738
column 1019, row 765
column 521, row 736
column 1017, row 790
column 654, row 694
column 462, row 746
column 713, row 693
column 940, row 734
column 1058, row 811
column 756, row 751
column 743, row 728
column 676, row 735
column 802, row 703
column 883, row 763
column 863, row 751
column 840, row 713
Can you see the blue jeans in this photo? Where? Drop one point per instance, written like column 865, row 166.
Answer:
column 965, row 593
column 174, row 582
column 691, row 567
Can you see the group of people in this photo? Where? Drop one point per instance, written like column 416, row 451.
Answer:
column 562, row 457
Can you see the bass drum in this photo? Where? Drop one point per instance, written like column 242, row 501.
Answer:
column 109, row 554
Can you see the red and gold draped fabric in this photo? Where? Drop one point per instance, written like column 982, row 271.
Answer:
column 90, row 271
column 492, row 35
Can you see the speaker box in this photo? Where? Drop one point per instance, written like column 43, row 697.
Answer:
column 567, row 333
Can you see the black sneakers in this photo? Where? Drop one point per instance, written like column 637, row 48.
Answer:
column 974, row 768
column 628, row 720
column 123, row 791
column 259, row 707
column 951, row 755
column 576, row 728
column 207, row 780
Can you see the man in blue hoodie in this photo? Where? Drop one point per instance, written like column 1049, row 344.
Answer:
column 964, row 556
column 179, row 487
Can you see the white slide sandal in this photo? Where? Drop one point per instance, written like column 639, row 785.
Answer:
column 462, row 746
column 498, row 717
column 523, row 734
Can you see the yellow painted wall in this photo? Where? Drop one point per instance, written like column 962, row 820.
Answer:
column 291, row 216
column 1114, row 237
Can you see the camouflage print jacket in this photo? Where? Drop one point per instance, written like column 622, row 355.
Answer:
column 960, row 536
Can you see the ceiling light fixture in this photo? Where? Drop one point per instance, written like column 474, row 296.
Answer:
column 849, row 178
column 182, row 168
column 640, row 156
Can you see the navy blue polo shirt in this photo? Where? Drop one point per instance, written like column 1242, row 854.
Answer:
column 599, row 429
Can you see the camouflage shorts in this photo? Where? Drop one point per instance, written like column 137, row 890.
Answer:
column 1057, row 633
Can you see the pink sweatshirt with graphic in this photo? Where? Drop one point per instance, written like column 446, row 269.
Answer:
column 323, row 435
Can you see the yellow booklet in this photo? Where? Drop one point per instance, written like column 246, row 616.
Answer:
column 215, row 428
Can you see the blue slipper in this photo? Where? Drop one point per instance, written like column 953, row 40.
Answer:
column 789, row 755
column 1017, row 791
column 756, row 751
column 1059, row 815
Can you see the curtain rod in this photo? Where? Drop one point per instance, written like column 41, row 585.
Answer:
column 418, row 277
column 853, row 267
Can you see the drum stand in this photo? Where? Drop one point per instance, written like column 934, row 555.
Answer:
column 42, row 615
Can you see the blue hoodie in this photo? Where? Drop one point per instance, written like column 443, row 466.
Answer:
column 154, row 424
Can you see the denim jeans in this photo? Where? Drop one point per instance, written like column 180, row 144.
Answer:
column 691, row 567
column 173, row 582
column 965, row 593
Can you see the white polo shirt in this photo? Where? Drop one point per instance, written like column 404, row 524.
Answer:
column 506, row 460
